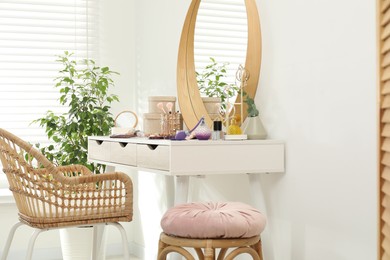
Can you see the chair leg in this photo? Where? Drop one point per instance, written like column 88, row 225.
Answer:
column 161, row 246
column 9, row 240
column 180, row 250
column 200, row 254
column 209, row 251
column 222, row 253
column 125, row 244
column 209, row 254
column 31, row 243
column 97, row 241
column 259, row 249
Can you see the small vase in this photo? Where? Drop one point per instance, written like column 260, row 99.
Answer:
column 254, row 128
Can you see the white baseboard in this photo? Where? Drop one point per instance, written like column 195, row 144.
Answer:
column 112, row 251
column 39, row 253
column 115, row 250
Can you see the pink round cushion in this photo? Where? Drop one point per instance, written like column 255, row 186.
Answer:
column 213, row 220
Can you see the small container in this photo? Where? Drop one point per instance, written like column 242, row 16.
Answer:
column 217, row 130
column 152, row 123
column 154, row 100
column 171, row 123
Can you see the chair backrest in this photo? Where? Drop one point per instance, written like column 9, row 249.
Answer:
column 27, row 172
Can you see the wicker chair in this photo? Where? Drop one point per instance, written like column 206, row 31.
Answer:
column 49, row 197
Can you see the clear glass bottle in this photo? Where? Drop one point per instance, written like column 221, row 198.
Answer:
column 217, row 130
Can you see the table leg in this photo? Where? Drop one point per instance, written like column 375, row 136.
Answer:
column 181, row 196
column 170, row 190
column 181, row 189
column 258, row 201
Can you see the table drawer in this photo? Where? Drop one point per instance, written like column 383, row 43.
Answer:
column 99, row 150
column 153, row 156
column 123, row 153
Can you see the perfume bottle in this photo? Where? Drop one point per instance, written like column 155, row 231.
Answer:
column 234, row 129
column 202, row 132
column 217, row 130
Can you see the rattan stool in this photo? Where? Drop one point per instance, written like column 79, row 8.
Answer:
column 206, row 227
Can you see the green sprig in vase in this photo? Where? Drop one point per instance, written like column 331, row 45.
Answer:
column 253, row 128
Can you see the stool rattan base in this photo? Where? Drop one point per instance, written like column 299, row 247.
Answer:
column 206, row 248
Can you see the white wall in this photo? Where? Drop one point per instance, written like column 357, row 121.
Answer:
column 117, row 49
column 317, row 93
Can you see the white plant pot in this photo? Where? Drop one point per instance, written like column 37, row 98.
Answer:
column 212, row 104
column 254, row 129
column 76, row 243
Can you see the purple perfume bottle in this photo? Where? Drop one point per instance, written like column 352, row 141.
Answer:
column 203, row 132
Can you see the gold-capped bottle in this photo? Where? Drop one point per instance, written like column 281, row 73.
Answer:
column 234, row 129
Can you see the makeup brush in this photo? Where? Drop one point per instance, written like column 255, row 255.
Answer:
column 169, row 106
column 161, row 106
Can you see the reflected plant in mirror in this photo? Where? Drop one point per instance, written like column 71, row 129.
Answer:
column 211, row 82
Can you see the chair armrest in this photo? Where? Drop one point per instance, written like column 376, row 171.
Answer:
column 76, row 175
column 70, row 170
column 86, row 179
column 101, row 182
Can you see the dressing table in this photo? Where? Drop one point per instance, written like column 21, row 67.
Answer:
column 185, row 159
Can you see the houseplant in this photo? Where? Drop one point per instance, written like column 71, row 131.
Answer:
column 253, row 128
column 83, row 87
column 211, row 82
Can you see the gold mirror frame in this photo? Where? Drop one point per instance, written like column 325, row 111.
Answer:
column 190, row 101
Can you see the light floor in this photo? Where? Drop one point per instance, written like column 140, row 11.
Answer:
column 120, row 258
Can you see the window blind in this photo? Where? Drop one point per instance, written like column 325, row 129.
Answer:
column 384, row 115
column 32, row 34
column 221, row 32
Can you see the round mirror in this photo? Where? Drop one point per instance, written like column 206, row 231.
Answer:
column 189, row 96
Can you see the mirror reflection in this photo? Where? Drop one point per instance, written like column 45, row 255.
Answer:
column 220, row 44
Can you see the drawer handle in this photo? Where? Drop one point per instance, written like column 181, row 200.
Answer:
column 152, row 146
column 123, row 144
column 99, row 142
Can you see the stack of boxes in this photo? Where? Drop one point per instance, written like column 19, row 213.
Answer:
column 160, row 107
